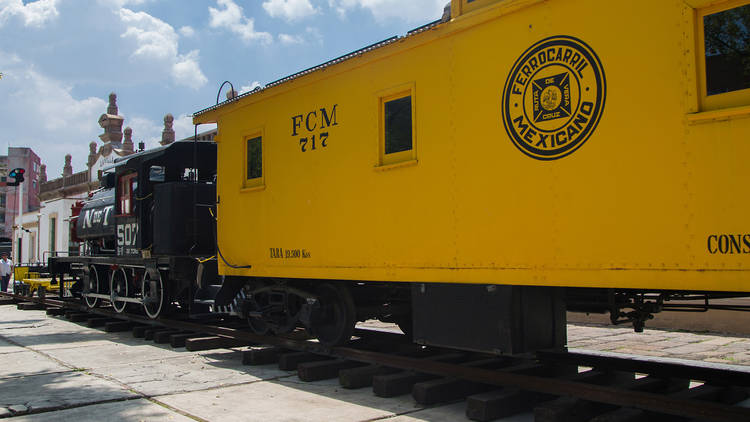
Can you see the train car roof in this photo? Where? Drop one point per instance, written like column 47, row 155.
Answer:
column 153, row 153
column 322, row 66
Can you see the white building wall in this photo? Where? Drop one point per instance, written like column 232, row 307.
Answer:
column 60, row 210
column 101, row 162
column 27, row 229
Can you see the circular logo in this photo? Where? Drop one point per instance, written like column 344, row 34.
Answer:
column 554, row 97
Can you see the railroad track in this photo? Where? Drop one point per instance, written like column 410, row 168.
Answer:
column 551, row 384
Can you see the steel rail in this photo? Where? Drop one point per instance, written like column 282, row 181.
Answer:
column 657, row 403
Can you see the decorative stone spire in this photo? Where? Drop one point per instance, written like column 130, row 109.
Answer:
column 127, row 144
column 43, row 174
column 68, row 168
column 112, row 108
column 167, row 135
column 111, row 122
column 92, row 154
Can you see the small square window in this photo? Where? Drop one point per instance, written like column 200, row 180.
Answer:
column 254, row 158
column 253, row 177
column 397, row 125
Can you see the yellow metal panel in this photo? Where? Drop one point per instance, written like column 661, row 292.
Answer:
column 647, row 201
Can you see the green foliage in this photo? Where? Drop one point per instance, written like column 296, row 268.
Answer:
column 727, row 32
column 727, row 50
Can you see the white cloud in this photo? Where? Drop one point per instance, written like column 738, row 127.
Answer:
column 121, row 3
column 232, row 18
column 290, row 39
column 157, row 40
column 149, row 131
column 291, row 10
column 186, row 70
column 35, row 13
column 144, row 130
column 44, row 115
column 183, row 127
column 383, row 10
column 311, row 35
column 248, row 88
column 187, row 31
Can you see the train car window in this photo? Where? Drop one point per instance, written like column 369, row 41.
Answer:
column 128, row 188
column 190, row 174
column 253, row 161
column 398, row 134
column 724, row 55
column 727, row 50
column 397, row 128
column 254, row 158
column 157, row 174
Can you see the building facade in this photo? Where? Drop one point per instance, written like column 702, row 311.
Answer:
column 16, row 200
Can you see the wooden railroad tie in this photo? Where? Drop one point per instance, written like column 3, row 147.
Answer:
column 197, row 344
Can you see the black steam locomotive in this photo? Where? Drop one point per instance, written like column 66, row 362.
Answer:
column 147, row 232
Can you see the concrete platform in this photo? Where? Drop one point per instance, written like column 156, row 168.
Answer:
column 130, row 410
column 54, row 370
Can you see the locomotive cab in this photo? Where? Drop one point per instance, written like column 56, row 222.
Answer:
column 158, row 197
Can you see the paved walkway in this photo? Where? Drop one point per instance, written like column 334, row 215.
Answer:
column 55, row 370
column 714, row 348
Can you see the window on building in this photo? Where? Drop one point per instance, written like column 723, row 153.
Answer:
column 127, row 189
column 725, row 61
column 2, row 200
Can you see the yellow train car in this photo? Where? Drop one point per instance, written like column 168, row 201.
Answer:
column 558, row 143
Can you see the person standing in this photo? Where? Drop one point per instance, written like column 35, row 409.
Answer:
column 6, row 269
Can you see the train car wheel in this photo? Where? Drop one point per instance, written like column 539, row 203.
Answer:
column 154, row 299
column 333, row 323
column 257, row 324
column 92, row 286
column 119, row 287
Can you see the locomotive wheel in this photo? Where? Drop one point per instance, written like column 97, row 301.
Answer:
column 154, row 299
column 119, row 287
column 92, row 286
column 333, row 323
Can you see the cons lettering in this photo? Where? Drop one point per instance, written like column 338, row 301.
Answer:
column 728, row 244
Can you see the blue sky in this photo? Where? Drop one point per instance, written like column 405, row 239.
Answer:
column 60, row 59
